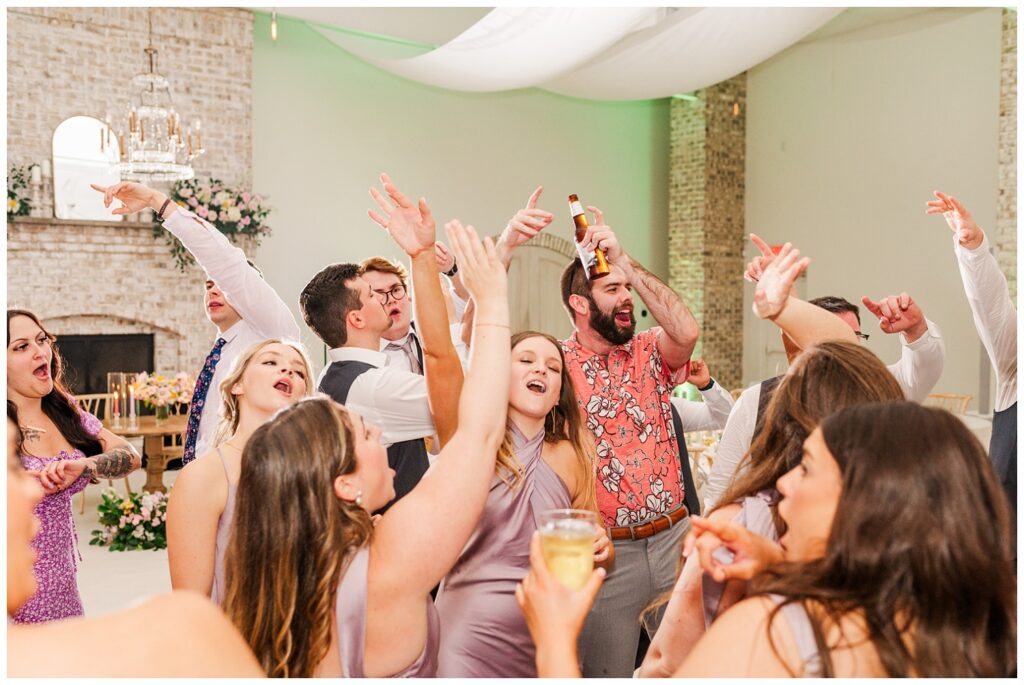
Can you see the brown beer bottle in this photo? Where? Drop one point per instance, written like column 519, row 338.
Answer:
column 594, row 263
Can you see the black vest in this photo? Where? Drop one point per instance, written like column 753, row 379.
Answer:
column 408, row 458
column 690, row 498
column 1002, row 449
column 767, row 390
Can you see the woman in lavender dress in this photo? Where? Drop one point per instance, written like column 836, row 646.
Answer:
column 65, row 448
column 546, row 462
column 267, row 376
column 314, row 585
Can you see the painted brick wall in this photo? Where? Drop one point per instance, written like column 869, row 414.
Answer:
column 93, row 277
column 706, row 219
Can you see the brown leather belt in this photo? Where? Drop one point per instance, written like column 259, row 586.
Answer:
column 639, row 531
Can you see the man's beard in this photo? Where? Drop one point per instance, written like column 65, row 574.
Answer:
column 608, row 329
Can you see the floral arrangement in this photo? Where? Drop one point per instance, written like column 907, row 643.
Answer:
column 159, row 390
column 18, row 203
column 138, row 522
column 232, row 212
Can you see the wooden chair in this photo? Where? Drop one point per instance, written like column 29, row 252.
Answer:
column 951, row 402
column 99, row 406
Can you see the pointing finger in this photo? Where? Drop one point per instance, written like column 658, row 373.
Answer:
column 766, row 251
column 532, row 202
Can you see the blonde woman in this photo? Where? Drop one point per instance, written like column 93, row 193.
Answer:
column 268, row 376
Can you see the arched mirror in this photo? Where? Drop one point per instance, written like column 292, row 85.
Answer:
column 83, row 150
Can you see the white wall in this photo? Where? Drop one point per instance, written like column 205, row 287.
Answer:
column 846, row 139
column 326, row 125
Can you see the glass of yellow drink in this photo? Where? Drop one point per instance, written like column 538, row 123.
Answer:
column 567, row 542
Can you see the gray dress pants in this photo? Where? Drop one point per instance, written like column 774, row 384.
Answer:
column 643, row 571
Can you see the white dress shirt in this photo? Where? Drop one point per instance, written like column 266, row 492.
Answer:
column 711, row 414
column 917, row 372
column 393, row 399
column 995, row 317
column 398, row 359
column 264, row 314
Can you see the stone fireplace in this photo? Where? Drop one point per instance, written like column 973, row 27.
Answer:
column 99, row 278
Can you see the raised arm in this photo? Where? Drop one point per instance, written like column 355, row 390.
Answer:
column 923, row 351
column 419, row 539
column 995, row 315
column 679, row 329
column 713, row 412
column 525, row 224
column 803, row 322
column 412, row 227
column 254, row 299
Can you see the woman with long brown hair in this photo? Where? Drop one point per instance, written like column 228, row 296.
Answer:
column 895, row 562
column 65, row 447
column 315, row 588
column 205, row 642
column 827, row 377
column 546, row 461
column 266, row 377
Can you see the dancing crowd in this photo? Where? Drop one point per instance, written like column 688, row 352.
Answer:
column 382, row 519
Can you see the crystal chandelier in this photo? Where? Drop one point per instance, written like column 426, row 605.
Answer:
column 151, row 143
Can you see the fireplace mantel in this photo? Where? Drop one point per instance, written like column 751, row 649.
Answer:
column 109, row 277
column 52, row 221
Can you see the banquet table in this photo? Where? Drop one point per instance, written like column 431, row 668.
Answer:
column 153, row 435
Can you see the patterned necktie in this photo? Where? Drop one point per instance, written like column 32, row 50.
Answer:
column 195, row 410
column 406, row 347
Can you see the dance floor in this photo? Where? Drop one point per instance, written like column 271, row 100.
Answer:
column 109, row 580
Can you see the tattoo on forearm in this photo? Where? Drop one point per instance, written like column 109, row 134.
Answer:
column 112, row 464
column 665, row 304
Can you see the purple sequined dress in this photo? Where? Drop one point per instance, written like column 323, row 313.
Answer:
column 55, row 569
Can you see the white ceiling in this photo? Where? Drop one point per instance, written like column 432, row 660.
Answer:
column 437, row 25
column 427, row 25
column 634, row 53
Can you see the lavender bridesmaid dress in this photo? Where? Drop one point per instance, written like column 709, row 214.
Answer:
column 219, row 588
column 756, row 516
column 351, row 614
column 483, row 632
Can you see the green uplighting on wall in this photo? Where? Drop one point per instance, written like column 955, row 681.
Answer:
column 685, row 96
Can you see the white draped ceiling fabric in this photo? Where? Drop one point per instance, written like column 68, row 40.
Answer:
column 599, row 53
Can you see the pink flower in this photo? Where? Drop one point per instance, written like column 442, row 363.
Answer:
column 193, row 202
column 136, row 519
column 246, row 221
column 223, row 216
column 246, row 197
column 202, row 212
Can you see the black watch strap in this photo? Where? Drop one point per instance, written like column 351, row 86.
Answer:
column 707, row 387
column 452, row 271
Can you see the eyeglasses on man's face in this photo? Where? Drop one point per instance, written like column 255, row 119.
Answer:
column 397, row 292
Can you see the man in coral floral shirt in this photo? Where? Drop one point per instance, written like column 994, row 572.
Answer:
column 623, row 383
